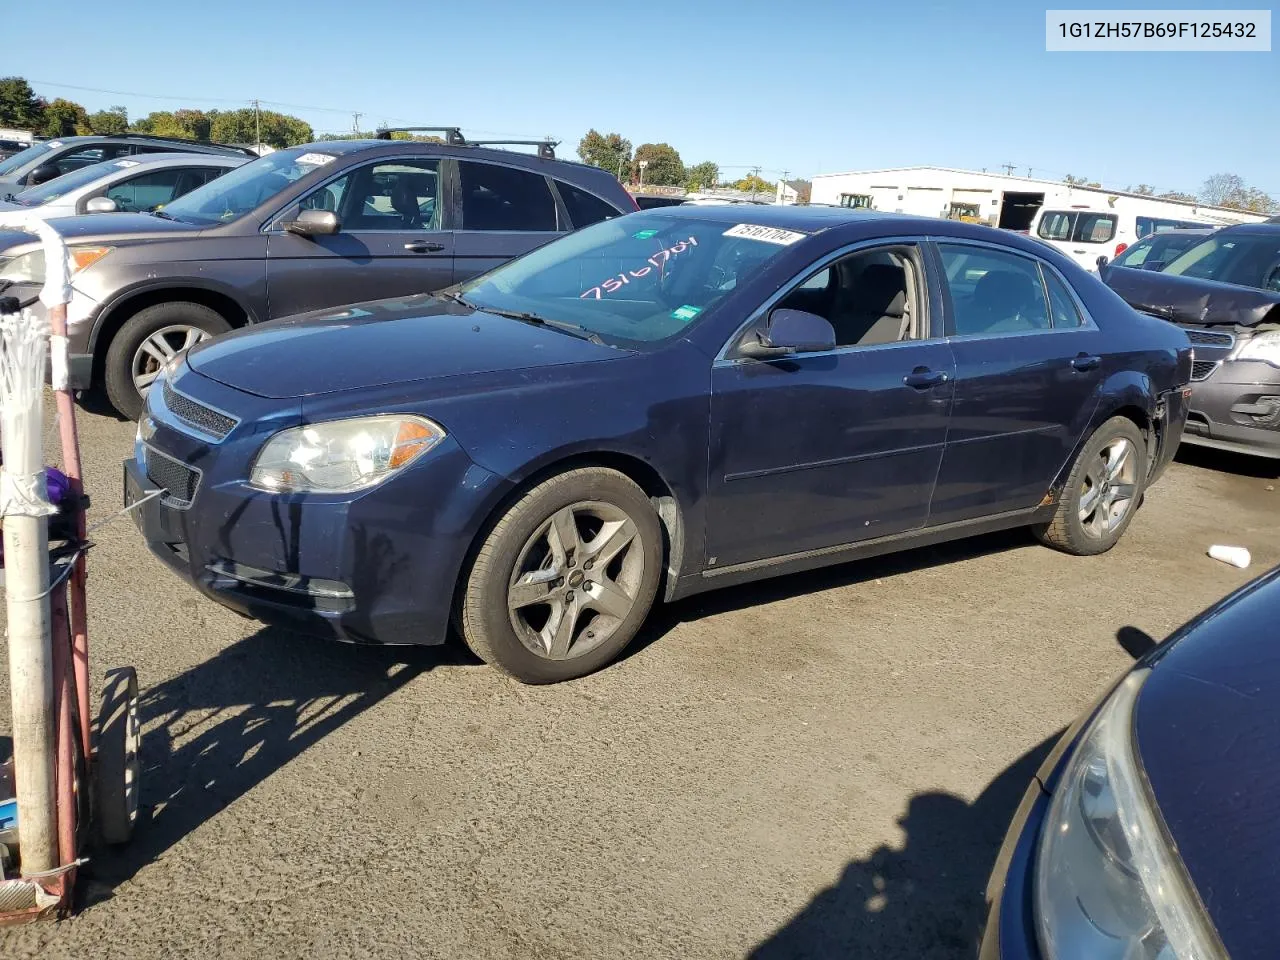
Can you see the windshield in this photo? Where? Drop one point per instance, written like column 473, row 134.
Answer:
column 634, row 280
column 246, row 188
column 26, row 157
column 1249, row 260
column 1155, row 250
column 58, row 186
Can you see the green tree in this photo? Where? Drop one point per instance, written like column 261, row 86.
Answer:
column 19, row 105
column 278, row 129
column 663, row 166
column 1230, row 190
column 755, row 184
column 113, row 120
column 65, row 118
column 703, row 175
column 1145, row 189
column 1177, row 195
column 189, row 124
column 612, row 151
column 1071, row 181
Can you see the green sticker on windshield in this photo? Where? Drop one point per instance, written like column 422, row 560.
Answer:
column 644, row 234
column 686, row 313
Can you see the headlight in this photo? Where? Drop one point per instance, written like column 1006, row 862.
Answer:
column 29, row 268
column 1109, row 885
column 342, row 455
column 1261, row 346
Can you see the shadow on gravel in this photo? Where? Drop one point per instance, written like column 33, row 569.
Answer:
column 926, row 900
column 240, row 717
column 1224, row 461
column 665, row 617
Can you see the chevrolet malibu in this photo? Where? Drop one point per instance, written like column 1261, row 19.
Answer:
column 1150, row 832
column 651, row 407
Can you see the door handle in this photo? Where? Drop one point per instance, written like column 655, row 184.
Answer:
column 423, row 246
column 922, row 378
column 1084, row 362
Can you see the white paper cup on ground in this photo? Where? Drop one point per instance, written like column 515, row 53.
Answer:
column 1236, row 556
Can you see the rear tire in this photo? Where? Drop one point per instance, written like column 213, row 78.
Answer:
column 565, row 578
column 163, row 327
column 1102, row 492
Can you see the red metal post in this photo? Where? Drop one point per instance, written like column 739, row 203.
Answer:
column 66, row 764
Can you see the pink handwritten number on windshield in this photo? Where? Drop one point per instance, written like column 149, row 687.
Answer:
column 656, row 262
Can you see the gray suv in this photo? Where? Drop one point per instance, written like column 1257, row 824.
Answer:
column 301, row 229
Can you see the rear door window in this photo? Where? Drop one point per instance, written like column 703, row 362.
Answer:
column 584, row 208
column 1057, row 225
column 1094, row 227
column 140, row 194
column 495, row 197
column 993, row 291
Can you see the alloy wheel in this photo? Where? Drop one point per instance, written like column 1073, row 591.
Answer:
column 1110, row 486
column 576, row 580
column 161, row 347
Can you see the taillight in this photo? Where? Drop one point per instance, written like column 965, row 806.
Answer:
column 1120, row 248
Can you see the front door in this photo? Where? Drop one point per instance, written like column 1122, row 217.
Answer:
column 1028, row 366
column 506, row 212
column 392, row 241
column 817, row 450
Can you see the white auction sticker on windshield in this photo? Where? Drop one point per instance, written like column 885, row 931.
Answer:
column 126, row 164
column 314, row 159
column 54, row 144
column 751, row 231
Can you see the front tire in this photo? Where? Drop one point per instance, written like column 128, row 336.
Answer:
column 1102, row 493
column 150, row 338
column 565, row 578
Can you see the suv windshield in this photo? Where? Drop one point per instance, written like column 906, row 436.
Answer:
column 234, row 194
column 25, row 158
column 1250, row 260
column 1156, row 248
column 634, row 280
column 34, row 196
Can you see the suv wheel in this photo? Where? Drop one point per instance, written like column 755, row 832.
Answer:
column 1102, row 492
column 150, row 339
column 565, row 578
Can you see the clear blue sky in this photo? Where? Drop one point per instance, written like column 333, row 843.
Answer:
column 806, row 86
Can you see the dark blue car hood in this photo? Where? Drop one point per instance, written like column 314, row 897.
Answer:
column 1208, row 729
column 380, row 343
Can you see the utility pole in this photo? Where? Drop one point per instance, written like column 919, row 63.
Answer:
column 355, row 122
column 1028, row 173
column 755, row 179
column 257, row 127
column 782, row 192
column 1008, row 168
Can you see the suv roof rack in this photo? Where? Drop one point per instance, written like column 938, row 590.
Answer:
column 454, row 137
column 248, row 151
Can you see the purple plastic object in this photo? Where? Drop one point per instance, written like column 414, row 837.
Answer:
column 57, row 486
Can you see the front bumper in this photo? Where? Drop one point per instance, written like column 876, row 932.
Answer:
column 1237, row 408
column 375, row 567
column 1010, row 932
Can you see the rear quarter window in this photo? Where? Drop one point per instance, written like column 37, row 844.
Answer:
column 584, row 208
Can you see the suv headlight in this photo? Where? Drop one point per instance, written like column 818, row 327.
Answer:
column 1263, row 346
column 29, row 267
column 1108, row 882
column 341, row 456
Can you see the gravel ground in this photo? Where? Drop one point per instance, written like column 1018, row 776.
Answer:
column 818, row 765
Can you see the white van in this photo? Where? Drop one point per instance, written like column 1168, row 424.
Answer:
column 1084, row 233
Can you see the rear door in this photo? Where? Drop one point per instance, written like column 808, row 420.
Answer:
column 394, row 239
column 505, row 212
column 153, row 189
column 1028, row 365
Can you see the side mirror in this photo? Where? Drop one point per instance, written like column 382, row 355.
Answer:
column 101, row 205
column 313, row 223
column 1101, row 262
column 790, row 331
column 42, row 174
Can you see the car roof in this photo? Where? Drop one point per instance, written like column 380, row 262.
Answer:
column 804, row 219
column 342, row 148
column 175, row 158
column 1267, row 229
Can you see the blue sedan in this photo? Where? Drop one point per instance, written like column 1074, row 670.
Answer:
column 1150, row 832
column 657, row 405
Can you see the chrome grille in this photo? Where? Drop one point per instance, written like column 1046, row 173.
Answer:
column 176, row 477
column 1208, row 339
column 1203, row 369
column 205, row 419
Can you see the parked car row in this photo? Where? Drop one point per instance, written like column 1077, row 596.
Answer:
column 1085, row 234
column 1223, row 288
column 315, row 226
column 44, row 160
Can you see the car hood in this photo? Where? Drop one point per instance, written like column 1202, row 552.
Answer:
column 380, row 343
column 1208, row 731
column 104, row 228
column 1188, row 300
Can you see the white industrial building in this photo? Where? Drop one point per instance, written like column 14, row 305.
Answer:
column 1000, row 200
